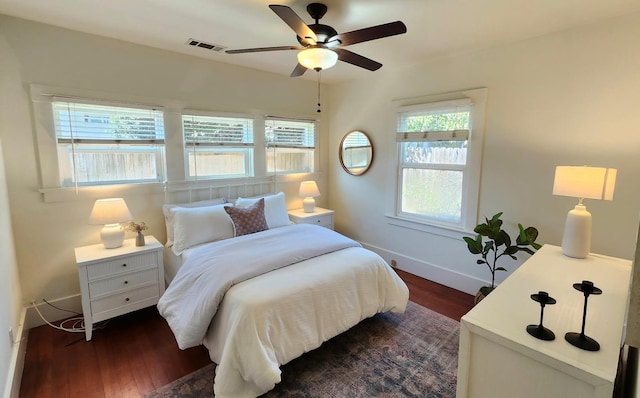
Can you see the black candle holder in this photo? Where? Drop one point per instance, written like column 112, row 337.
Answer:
column 539, row 331
column 581, row 340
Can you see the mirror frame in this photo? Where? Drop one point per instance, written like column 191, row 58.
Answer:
column 340, row 150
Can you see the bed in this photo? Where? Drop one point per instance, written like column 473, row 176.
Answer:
column 258, row 300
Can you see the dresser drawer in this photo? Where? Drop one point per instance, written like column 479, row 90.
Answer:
column 123, row 282
column 122, row 301
column 120, row 266
column 323, row 221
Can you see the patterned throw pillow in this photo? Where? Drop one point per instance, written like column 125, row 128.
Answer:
column 248, row 220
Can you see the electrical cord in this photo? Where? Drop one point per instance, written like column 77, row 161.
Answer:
column 61, row 309
column 77, row 327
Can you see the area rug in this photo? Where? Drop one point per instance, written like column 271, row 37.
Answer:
column 389, row 355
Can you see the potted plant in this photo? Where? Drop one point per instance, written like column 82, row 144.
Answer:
column 492, row 242
column 137, row 227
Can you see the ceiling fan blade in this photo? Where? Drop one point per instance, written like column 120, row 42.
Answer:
column 357, row 60
column 298, row 71
column 259, row 49
column 294, row 21
column 371, row 33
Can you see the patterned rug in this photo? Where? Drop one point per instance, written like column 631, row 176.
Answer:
column 389, row 355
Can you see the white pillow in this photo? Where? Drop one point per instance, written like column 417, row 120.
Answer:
column 194, row 226
column 275, row 209
column 168, row 215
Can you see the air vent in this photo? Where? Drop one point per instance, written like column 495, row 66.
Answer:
column 206, row 46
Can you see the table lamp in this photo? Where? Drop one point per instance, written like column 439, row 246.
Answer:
column 308, row 190
column 110, row 213
column 581, row 182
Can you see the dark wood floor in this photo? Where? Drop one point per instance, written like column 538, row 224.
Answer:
column 137, row 353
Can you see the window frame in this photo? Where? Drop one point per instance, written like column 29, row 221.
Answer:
column 250, row 160
column 471, row 171
column 270, row 146
column 156, row 144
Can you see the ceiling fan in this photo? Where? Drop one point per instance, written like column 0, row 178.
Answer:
column 320, row 45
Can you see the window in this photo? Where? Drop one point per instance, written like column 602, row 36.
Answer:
column 439, row 148
column 218, row 146
column 290, row 145
column 101, row 144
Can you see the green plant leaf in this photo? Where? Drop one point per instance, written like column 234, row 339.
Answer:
column 527, row 235
column 482, row 229
column 488, row 245
column 501, row 269
column 511, row 250
column 526, row 249
column 496, row 217
column 480, row 262
column 473, row 245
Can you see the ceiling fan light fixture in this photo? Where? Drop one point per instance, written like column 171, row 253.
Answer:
column 317, row 58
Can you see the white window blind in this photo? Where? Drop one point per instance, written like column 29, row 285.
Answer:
column 217, row 131
column 290, row 145
column 108, row 144
column 444, row 121
column 107, row 124
column 284, row 133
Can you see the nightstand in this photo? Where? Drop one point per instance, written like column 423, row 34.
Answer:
column 118, row 281
column 320, row 216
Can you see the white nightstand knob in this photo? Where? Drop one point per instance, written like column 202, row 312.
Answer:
column 124, row 265
column 127, row 299
column 126, row 282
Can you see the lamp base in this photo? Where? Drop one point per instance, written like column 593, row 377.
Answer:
column 112, row 236
column 309, row 205
column 576, row 241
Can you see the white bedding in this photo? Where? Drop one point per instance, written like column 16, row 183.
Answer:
column 268, row 320
column 193, row 297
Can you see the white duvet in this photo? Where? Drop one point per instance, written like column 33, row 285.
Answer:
column 266, row 321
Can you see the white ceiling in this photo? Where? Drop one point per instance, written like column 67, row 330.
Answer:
column 434, row 27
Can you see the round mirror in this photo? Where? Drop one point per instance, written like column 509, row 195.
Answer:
column 356, row 152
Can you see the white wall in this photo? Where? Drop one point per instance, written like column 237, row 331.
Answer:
column 46, row 233
column 10, row 289
column 566, row 99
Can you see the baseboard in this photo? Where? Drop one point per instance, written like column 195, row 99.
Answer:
column 16, row 366
column 69, row 303
column 453, row 279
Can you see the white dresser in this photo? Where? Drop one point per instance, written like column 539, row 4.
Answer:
column 499, row 359
column 320, row 216
column 117, row 281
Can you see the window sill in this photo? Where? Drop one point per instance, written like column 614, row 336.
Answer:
column 448, row 231
column 53, row 195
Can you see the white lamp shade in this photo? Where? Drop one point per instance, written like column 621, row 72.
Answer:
column 109, row 211
column 317, row 58
column 585, row 182
column 308, row 189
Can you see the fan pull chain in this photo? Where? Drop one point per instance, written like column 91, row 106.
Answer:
column 318, row 90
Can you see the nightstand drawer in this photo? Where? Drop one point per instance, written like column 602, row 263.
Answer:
column 323, row 221
column 120, row 302
column 115, row 267
column 123, row 282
